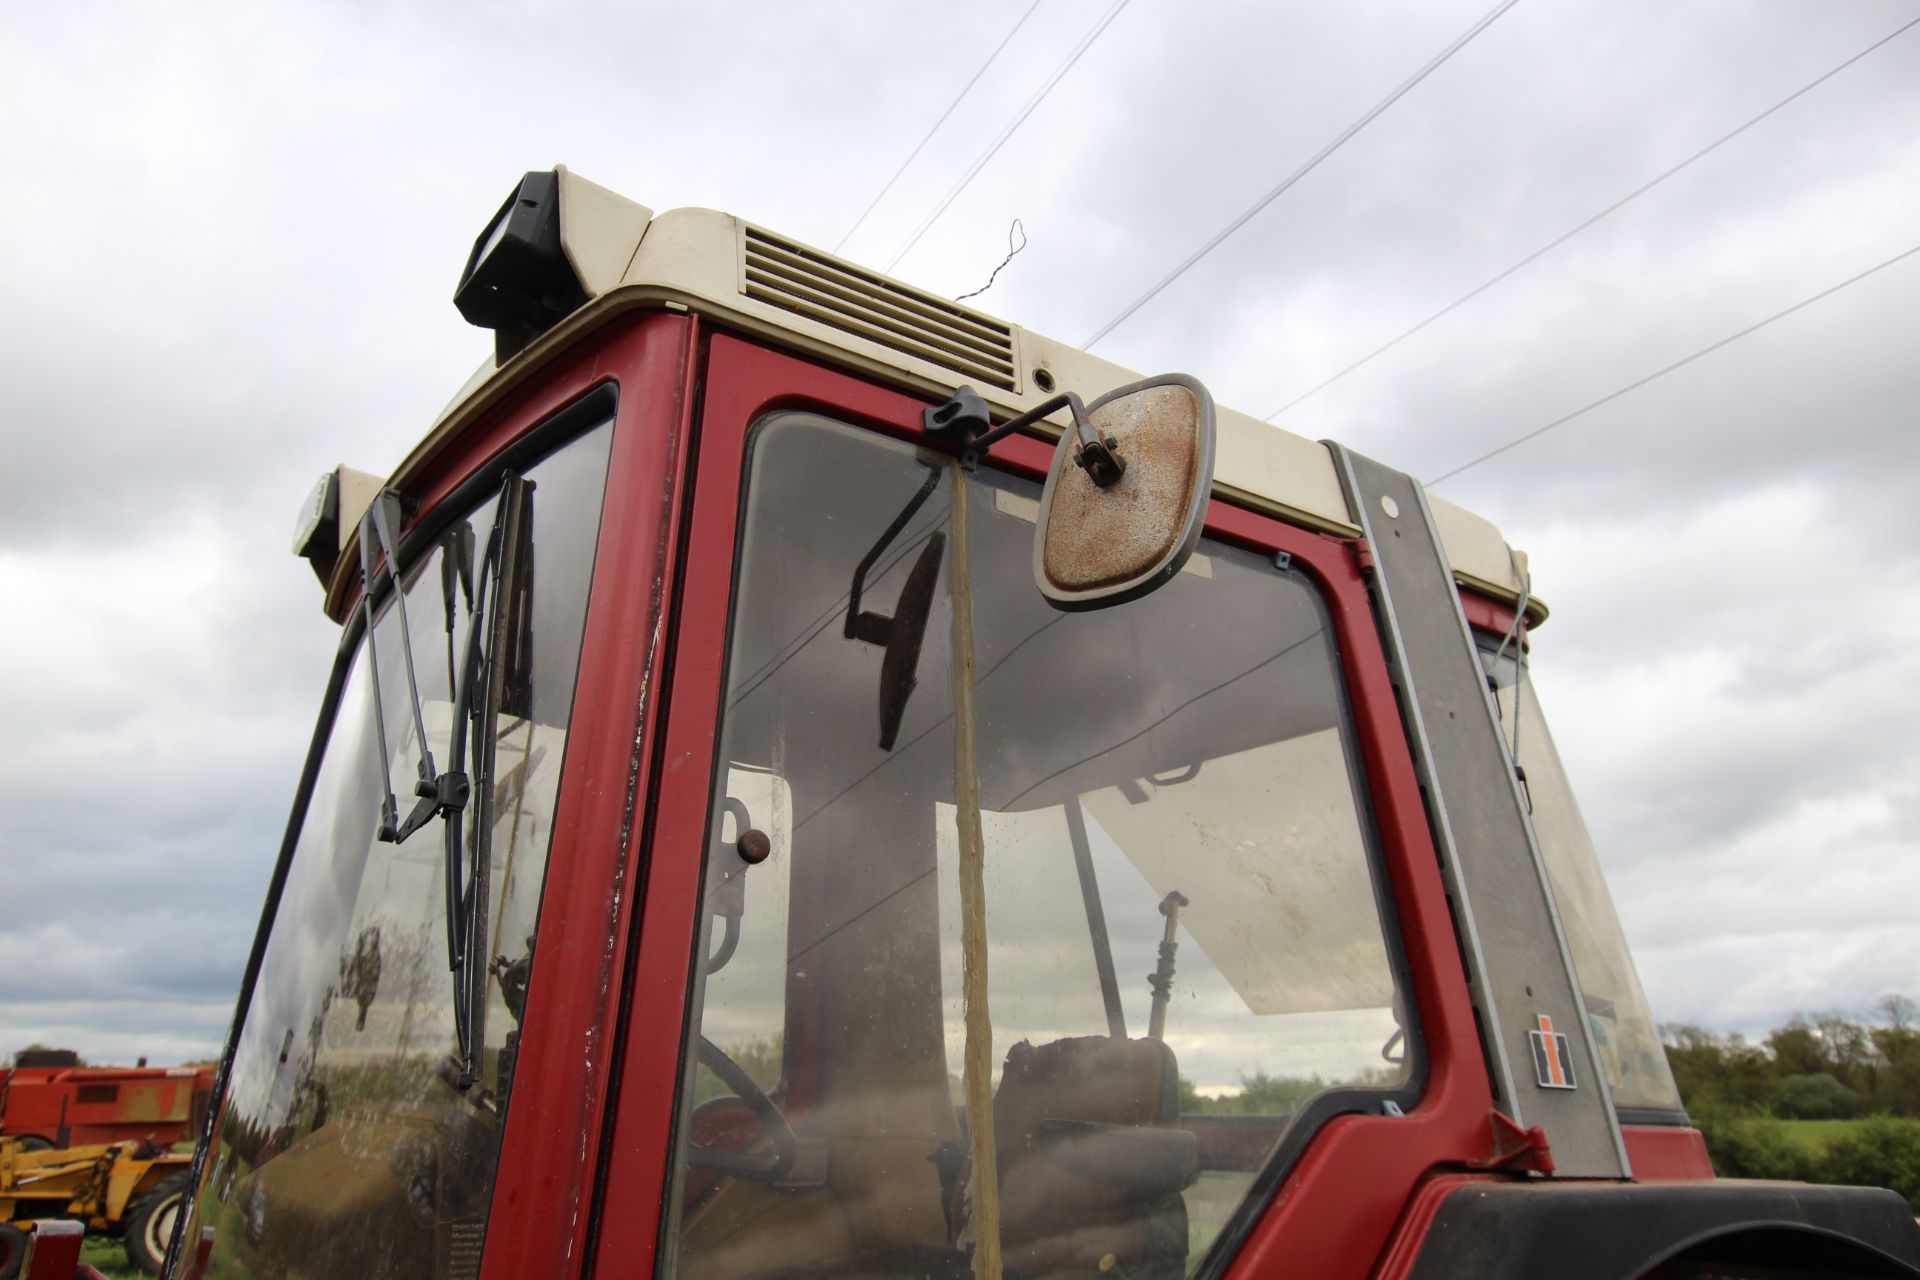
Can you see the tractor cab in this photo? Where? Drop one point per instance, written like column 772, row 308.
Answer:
column 817, row 780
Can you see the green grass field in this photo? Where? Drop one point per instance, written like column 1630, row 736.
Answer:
column 1814, row 1136
column 104, row 1254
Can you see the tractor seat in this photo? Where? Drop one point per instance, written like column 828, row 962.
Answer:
column 1092, row 1162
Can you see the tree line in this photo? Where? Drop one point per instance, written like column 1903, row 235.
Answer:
column 1824, row 1067
column 1740, row 1095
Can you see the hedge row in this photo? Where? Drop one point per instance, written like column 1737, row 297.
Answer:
column 1883, row 1151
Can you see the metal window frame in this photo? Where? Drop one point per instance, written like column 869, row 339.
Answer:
column 1364, row 1156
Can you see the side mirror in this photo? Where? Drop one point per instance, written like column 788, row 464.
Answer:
column 1123, row 509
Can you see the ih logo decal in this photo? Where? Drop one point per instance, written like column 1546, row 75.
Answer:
column 1552, row 1058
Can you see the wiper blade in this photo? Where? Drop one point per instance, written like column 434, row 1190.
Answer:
column 456, row 570
column 475, row 718
column 901, row 634
column 463, row 690
column 463, row 1074
column 436, row 792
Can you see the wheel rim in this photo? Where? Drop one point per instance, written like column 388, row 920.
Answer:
column 159, row 1231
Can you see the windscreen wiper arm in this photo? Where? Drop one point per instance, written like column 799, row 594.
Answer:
column 456, row 570
column 436, row 792
column 475, row 720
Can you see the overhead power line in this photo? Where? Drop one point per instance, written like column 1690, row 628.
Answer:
column 1460, row 42
column 1611, row 396
column 1086, row 42
column 915, row 153
column 1607, row 212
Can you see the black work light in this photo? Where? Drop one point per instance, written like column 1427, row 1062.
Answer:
column 518, row 281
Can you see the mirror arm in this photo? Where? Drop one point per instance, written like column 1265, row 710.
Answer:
column 965, row 415
column 1065, row 400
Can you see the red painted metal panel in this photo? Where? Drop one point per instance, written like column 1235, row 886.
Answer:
column 539, row 1220
column 53, row 1251
column 744, row 382
column 1338, row 1205
column 1662, row 1154
column 1487, row 615
column 620, row 354
column 1337, row 1210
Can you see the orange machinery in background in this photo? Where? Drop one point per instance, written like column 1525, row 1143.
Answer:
column 47, row 1099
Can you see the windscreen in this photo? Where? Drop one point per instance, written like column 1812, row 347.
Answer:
column 1181, row 931
column 344, row 1147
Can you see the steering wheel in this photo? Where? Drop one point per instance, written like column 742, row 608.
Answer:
column 762, row 1166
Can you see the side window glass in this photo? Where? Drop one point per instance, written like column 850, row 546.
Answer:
column 1183, row 933
column 1175, row 853
column 1617, row 1011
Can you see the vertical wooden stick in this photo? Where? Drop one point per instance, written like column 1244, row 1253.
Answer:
column 984, row 1192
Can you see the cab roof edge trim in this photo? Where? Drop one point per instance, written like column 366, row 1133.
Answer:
column 697, row 259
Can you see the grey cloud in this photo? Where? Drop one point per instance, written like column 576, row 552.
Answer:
column 1754, row 983
column 241, row 239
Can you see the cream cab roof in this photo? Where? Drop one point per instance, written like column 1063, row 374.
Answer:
column 764, row 283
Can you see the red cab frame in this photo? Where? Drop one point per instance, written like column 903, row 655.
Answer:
column 1350, row 1186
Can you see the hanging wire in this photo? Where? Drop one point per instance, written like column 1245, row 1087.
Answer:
column 1086, row 43
column 914, row 154
column 1460, row 42
column 1012, row 253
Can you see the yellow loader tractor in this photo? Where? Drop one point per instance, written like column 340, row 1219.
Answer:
column 128, row 1189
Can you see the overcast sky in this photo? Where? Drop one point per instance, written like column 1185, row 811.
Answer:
column 228, row 245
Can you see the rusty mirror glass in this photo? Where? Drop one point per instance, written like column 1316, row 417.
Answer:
column 1126, row 495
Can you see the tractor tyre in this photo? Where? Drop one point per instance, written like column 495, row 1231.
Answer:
column 32, row 1142
column 13, row 1250
column 149, row 1224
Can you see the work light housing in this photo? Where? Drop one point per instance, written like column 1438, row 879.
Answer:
column 518, row 281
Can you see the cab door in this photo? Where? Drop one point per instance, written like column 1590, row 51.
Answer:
column 1218, row 948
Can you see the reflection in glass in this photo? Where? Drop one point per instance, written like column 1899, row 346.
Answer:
column 1623, row 1026
column 1173, row 841
column 343, row 1148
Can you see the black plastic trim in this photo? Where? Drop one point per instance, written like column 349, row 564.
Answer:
column 1654, row 1117
column 1621, row 1231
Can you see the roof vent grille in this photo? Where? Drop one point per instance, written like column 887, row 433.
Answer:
column 852, row 300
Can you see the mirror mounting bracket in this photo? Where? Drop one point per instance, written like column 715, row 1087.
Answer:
column 964, row 417
column 1099, row 460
